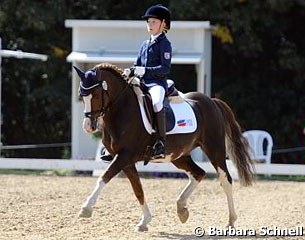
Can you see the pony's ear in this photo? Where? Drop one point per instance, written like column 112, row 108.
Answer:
column 80, row 73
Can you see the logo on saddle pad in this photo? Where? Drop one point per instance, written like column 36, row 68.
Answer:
column 184, row 122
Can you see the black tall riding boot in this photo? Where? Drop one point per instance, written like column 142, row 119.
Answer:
column 106, row 156
column 159, row 146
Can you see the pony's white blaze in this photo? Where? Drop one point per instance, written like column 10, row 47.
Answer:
column 87, row 102
column 227, row 187
column 87, row 121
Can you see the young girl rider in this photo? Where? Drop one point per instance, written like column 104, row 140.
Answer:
column 153, row 65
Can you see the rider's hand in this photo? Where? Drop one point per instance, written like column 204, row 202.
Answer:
column 127, row 72
column 139, row 71
column 134, row 71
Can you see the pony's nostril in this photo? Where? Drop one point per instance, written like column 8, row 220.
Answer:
column 94, row 124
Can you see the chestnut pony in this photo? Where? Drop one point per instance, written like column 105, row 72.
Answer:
column 111, row 106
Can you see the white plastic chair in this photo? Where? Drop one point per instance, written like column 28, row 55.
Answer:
column 261, row 144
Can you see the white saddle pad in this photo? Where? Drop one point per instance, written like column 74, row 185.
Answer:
column 185, row 119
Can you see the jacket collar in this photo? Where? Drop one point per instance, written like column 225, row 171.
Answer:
column 154, row 37
column 159, row 38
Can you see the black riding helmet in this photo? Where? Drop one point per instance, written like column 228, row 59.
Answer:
column 160, row 12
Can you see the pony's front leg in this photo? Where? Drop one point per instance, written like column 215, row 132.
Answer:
column 113, row 169
column 133, row 176
column 87, row 207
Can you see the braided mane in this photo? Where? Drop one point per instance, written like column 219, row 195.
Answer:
column 110, row 67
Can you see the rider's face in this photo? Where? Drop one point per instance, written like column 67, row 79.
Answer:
column 154, row 26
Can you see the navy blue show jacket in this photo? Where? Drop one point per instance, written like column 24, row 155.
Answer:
column 156, row 58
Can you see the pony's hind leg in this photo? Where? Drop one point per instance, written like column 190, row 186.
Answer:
column 195, row 175
column 133, row 176
column 214, row 147
column 226, row 184
column 219, row 162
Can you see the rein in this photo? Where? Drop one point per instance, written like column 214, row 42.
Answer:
column 104, row 109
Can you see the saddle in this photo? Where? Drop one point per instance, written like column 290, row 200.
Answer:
column 180, row 117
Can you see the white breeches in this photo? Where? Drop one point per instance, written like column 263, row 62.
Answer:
column 157, row 96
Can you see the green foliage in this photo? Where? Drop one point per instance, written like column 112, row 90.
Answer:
column 260, row 73
column 257, row 65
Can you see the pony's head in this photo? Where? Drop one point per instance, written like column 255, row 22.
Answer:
column 90, row 91
column 96, row 89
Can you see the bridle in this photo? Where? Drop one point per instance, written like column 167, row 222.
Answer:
column 103, row 86
column 99, row 111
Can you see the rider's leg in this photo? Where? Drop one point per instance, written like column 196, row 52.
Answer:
column 159, row 146
column 157, row 94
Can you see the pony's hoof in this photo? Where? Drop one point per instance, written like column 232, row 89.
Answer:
column 230, row 224
column 232, row 220
column 141, row 228
column 183, row 214
column 85, row 212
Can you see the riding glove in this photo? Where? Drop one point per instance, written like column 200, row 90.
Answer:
column 127, row 72
column 139, row 71
column 134, row 71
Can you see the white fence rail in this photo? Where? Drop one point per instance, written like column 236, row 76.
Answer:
column 92, row 165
